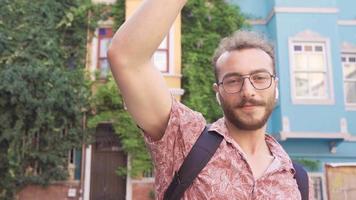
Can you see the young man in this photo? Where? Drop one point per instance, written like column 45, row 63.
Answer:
column 248, row 164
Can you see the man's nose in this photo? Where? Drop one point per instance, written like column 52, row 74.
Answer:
column 247, row 89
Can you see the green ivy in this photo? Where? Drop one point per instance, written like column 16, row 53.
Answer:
column 44, row 90
column 311, row 165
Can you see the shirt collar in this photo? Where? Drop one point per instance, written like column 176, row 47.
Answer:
column 276, row 149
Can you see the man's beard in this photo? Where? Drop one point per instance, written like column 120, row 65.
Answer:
column 248, row 121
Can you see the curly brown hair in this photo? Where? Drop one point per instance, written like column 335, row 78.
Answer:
column 243, row 40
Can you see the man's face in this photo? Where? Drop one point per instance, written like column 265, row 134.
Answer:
column 249, row 108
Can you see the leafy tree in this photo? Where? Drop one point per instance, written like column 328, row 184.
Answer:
column 43, row 89
column 204, row 24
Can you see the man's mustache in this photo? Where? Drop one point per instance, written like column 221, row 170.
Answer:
column 252, row 102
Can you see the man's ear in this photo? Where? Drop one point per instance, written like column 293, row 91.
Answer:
column 276, row 94
column 216, row 90
column 215, row 87
column 218, row 98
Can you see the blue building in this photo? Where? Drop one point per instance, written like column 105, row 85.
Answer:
column 315, row 119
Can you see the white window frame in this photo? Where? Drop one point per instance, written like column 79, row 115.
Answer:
column 323, row 183
column 165, row 48
column 102, row 74
column 348, row 106
column 311, row 38
column 170, row 50
column 94, row 49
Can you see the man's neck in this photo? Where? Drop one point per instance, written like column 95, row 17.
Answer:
column 252, row 142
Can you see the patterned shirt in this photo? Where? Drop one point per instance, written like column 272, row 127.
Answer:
column 227, row 175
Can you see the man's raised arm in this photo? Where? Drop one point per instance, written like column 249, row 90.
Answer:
column 144, row 90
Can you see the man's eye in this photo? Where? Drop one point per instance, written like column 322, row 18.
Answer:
column 259, row 78
column 233, row 81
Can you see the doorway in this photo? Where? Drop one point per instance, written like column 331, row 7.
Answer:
column 107, row 156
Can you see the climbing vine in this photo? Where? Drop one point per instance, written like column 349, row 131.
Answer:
column 44, row 92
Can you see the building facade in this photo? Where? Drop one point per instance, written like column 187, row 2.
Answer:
column 315, row 118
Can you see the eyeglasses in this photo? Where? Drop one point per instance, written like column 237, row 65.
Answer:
column 233, row 83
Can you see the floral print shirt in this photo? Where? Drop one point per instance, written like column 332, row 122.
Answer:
column 227, row 175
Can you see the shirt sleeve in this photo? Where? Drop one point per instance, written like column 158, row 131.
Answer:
column 168, row 153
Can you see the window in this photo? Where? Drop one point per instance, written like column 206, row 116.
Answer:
column 318, row 187
column 71, row 164
column 310, row 75
column 105, row 35
column 349, row 74
column 149, row 173
column 161, row 56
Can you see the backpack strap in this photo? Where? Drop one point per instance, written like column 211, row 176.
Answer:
column 200, row 154
column 302, row 180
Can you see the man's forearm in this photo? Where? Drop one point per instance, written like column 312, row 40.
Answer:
column 138, row 38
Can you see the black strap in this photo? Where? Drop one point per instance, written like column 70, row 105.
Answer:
column 302, row 180
column 200, row 154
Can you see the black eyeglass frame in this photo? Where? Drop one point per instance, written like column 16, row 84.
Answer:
column 248, row 76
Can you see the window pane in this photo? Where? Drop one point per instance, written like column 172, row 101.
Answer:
column 78, row 161
column 343, row 59
column 350, row 71
column 160, row 60
column 102, row 31
column 297, row 48
column 318, row 189
column 350, row 92
column 308, row 48
column 317, row 84
column 318, row 48
column 352, row 59
column 310, row 71
column 104, row 68
column 105, row 32
column 163, row 44
column 301, row 62
column 302, row 82
column 316, row 62
column 104, row 44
